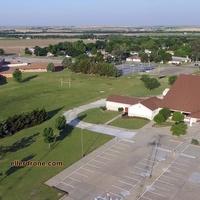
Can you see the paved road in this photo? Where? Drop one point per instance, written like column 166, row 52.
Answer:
column 72, row 120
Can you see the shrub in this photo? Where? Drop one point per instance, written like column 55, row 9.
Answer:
column 165, row 112
column 51, row 67
column 195, row 142
column 179, row 129
column 159, row 118
column 103, row 108
column 120, row 109
column 178, row 116
column 17, row 75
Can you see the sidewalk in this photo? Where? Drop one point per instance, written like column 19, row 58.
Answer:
column 72, row 120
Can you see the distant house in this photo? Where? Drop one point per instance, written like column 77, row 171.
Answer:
column 133, row 59
column 183, row 96
column 179, row 60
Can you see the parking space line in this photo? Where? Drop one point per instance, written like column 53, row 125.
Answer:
column 74, row 179
column 166, row 183
column 126, row 145
column 181, row 164
column 126, row 140
column 99, row 162
column 145, row 197
column 104, row 158
column 171, row 178
column 67, row 184
column 161, row 188
column 142, row 169
column 88, row 170
column 135, row 173
column 156, row 193
column 178, row 168
column 126, row 183
column 176, row 173
column 132, row 178
column 115, row 194
column 118, row 147
column 80, row 174
column 144, row 164
column 110, row 154
column 119, row 188
column 93, row 166
column 114, row 151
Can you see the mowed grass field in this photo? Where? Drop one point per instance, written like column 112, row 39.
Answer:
column 40, row 90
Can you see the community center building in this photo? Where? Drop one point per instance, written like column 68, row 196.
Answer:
column 183, row 96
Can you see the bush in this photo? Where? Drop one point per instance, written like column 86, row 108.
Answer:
column 165, row 112
column 51, row 67
column 172, row 79
column 17, row 75
column 120, row 109
column 159, row 118
column 178, row 116
column 103, row 108
column 195, row 142
column 179, row 129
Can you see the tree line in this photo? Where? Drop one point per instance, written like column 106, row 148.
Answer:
column 121, row 47
column 88, row 65
column 19, row 122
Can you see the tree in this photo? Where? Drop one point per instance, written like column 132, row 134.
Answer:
column 17, row 75
column 179, row 129
column 172, row 79
column 165, row 112
column 60, row 122
column 178, row 116
column 49, row 136
column 152, row 83
column 159, row 118
column 27, row 51
column 50, row 67
column 66, row 62
column 1, row 51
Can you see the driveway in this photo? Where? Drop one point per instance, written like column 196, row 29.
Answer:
column 72, row 120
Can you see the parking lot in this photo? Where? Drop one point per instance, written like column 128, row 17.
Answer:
column 127, row 169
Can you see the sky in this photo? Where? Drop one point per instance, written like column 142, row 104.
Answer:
column 100, row 13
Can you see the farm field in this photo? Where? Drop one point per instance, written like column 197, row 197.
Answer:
column 17, row 46
column 40, row 90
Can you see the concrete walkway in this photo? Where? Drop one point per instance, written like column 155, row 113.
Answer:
column 72, row 120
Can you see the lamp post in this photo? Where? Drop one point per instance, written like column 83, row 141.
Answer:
column 82, row 142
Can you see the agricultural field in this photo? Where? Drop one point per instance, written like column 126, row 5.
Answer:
column 44, row 90
column 17, row 46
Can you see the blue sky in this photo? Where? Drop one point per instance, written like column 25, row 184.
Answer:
column 100, row 13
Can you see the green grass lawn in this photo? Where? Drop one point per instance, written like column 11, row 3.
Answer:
column 97, row 116
column 130, row 122
column 40, row 90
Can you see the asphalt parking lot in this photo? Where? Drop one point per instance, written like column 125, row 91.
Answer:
column 158, row 167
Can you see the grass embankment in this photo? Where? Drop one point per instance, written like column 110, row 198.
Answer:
column 40, row 90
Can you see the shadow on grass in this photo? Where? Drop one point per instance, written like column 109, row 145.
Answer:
column 23, row 143
column 29, row 78
column 3, row 80
column 88, row 150
column 17, row 164
column 54, row 112
column 65, row 132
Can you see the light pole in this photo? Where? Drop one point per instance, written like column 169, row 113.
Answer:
column 82, row 142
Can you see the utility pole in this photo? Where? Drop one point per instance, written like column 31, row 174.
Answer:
column 154, row 160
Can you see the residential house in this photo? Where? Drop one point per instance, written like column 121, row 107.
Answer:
column 179, row 60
